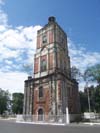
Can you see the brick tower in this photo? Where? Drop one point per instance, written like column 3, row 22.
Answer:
column 51, row 89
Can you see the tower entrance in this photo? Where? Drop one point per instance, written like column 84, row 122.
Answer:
column 40, row 115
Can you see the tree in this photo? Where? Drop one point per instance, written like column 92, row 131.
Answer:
column 83, row 101
column 17, row 103
column 90, row 99
column 4, row 101
column 97, row 99
column 91, row 90
column 94, row 73
column 75, row 73
column 94, row 94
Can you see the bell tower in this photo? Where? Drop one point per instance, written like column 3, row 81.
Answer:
column 52, row 65
column 51, row 83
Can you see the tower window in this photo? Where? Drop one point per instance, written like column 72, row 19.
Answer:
column 44, row 39
column 40, row 91
column 43, row 64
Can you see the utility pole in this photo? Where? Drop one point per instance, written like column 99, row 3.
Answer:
column 89, row 106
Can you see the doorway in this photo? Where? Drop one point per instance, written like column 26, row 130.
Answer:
column 40, row 115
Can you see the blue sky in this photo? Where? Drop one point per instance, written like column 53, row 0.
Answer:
column 19, row 22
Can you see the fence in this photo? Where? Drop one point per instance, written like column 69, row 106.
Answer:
column 60, row 119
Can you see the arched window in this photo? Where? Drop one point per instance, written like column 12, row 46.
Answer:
column 40, row 91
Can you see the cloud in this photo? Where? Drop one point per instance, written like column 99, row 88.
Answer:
column 17, row 47
column 81, row 57
column 16, row 53
column 18, row 44
column 13, row 81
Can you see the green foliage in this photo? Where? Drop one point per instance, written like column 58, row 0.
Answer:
column 17, row 103
column 4, row 101
column 97, row 99
column 94, row 94
column 83, row 101
column 75, row 73
column 90, row 74
column 94, row 73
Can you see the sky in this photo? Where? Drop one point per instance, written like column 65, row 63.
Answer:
column 19, row 22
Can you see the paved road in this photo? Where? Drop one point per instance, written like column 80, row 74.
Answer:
column 11, row 127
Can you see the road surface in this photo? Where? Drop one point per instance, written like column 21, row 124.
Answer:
column 12, row 127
